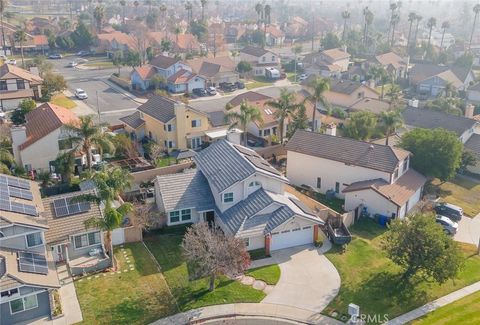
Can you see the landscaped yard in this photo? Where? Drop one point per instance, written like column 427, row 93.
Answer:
column 463, row 192
column 269, row 274
column 465, row 311
column 137, row 296
column 258, row 82
column 62, row 100
column 165, row 161
column 194, row 293
column 371, row 280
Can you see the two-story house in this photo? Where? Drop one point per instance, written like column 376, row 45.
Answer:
column 17, row 84
column 329, row 63
column 237, row 190
column 260, row 59
column 373, row 175
column 394, row 64
column 27, row 271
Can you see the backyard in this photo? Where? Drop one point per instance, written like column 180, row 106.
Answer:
column 370, row 279
column 461, row 191
column 189, row 293
column 136, row 295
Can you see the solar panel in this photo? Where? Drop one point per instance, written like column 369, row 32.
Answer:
column 22, row 208
column 32, row 263
column 20, row 193
column 258, row 162
column 20, row 183
column 63, row 207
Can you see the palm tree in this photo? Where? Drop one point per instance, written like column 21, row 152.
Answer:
column 393, row 9
column 391, row 121
column 86, row 134
column 44, row 178
column 368, row 20
column 285, row 107
column 20, row 37
column 476, row 10
column 297, row 49
column 394, row 94
column 163, row 10
column 395, row 21
column 419, row 18
column 203, row 3
column 136, row 3
column 177, row 31
column 267, row 11
column 65, row 166
column 243, row 117
column 123, row 3
column 3, row 6
column 345, row 17
column 411, row 17
column 379, row 73
column 445, row 25
column 189, row 8
column 319, row 87
column 259, row 10
column 99, row 14
column 432, row 22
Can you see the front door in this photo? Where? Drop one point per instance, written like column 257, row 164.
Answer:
column 58, row 253
column 210, row 218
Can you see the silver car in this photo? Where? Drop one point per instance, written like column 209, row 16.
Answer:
column 80, row 94
column 449, row 226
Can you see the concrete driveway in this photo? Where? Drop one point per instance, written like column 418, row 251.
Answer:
column 308, row 279
column 468, row 230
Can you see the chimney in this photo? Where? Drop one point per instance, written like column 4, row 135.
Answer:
column 469, row 111
column 181, row 118
column 19, row 136
column 331, row 129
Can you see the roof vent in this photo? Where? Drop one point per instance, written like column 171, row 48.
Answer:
column 371, row 147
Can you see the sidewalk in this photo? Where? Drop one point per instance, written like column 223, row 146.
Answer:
column 431, row 306
column 248, row 312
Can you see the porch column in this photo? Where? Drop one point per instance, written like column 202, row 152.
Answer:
column 267, row 245
column 65, row 246
column 315, row 233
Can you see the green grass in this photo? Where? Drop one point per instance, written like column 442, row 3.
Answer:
column 463, row 192
column 257, row 254
column 386, row 89
column 134, row 297
column 192, row 294
column 370, row 279
column 165, row 161
column 269, row 274
column 335, row 203
column 291, row 76
column 99, row 64
column 258, row 82
column 62, row 100
column 465, row 311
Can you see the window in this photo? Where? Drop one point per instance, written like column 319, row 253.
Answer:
column 196, row 143
column 266, row 132
column 9, row 293
column 307, row 227
column 171, row 144
column 259, row 133
column 273, row 58
column 246, row 241
column 196, row 123
column 34, row 239
column 405, row 164
column 174, row 216
column 3, row 85
column 360, row 94
column 170, row 127
column 319, row 182
column 264, row 59
column 186, row 215
column 86, row 240
column 254, row 184
column 64, row 144
column 227, row 197
column 24, row 303
column 337, row 187
column 20, row 84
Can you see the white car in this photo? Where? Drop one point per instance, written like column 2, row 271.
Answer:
column 449, row 226
column 302, row 77
column 72, row 64
column 80, row 94
column 11, row 61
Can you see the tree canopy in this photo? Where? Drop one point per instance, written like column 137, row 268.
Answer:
column 361, row 125
column 81, row 36
column 330, row 41
column 25, row 106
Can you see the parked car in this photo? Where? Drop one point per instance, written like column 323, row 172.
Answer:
column 83, row 53
column 448, row 225
column 80, row 94
column 11, row 61
column 302, row 77
column 55, row 56
column 228, row 86
column 211, row 91
column 240, row 85
column 200, row 92
column 72, row 64
column 451, row 211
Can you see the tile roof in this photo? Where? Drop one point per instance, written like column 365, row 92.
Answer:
column 133, row 120
column 14, row 94
column 398, row 193
column 473, row 144
column 209, row 67
column 346, row 150
column 181, row 76
column 254, row 51
column 249, row 96
column 373, row 105
column 40, row 40
column 163, row 62
column 160, row 108
column 344, row 86
column 274, row 31
column 121, row 38
column 336, row 54
column 45, row 119
column 391, row 58
column 61, row 228
column 185, row 190
column 429, row 119
column 146, row 72
column 9, row 71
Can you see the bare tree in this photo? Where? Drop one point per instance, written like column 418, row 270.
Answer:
column 146, row 217
column 209, row 252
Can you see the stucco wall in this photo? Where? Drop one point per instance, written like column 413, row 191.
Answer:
column 43, row 310
column 43, row 151
column 374, row 202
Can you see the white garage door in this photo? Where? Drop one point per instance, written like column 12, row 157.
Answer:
column 290, row 238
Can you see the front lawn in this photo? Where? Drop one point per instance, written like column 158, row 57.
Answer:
column 371, row 280
column 137, row 296
column 192, row 294
column 461, row 191
column 62, row 100
column 464, row 311
column 269, row 274
column 258, row 82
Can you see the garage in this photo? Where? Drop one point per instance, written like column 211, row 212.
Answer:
column 291, row 237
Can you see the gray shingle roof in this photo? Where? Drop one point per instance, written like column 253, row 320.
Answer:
column 473, row 144
column 217, row 118
column 185, row 190
column 133, row 120
column 344, row 86
column 348, row 151
column 249, row 96
column 160, row 108
column 428, row 119
column 163, row 62
column 255, row 51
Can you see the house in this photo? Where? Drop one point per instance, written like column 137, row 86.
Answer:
column 237, row 190
column 374, row 105
column 32, row 43
column 167, row 66
column 27, row 271
column 473, row 93
column 233, row 32
column 141, row 77
column 37, row 144
column 115, row 41
column 473, row 144
column 181, row 43
column 430, row 80
column 393, row 63
column 172, row 124
column 329, row 63
column 68, row 239
column 463, row 127
column 185, row 81
column 373, row 175
column 274, row 36
column 260, row 59
column 215, row 70
column 17, row 84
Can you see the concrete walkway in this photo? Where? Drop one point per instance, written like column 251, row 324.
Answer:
column 255, row 313
column 308, row 279
column 431, row 306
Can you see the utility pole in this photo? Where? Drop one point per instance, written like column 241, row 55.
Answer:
column 98, row 108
